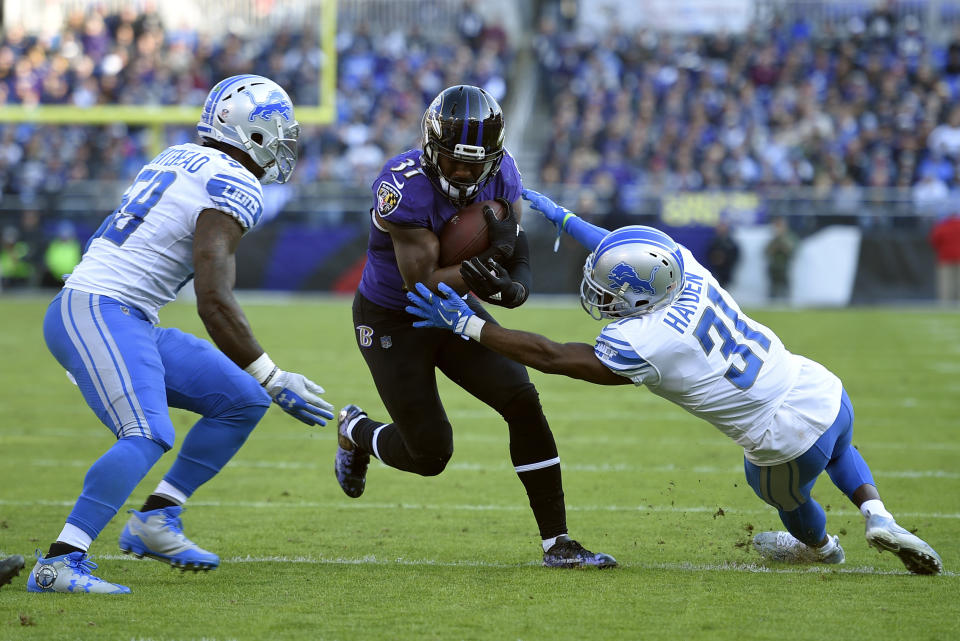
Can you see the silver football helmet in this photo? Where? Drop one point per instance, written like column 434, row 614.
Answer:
column 634, row 270
column 254, row 114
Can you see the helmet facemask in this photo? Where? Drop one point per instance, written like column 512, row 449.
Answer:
column 254, row 114
column 481, row 168
column 274, row 151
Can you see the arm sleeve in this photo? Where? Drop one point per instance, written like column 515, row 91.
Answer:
column 235, row 195
column 614, row 351
column 519, row 264
column 585, row 233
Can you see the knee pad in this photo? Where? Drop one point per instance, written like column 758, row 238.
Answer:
column 524, row 407
column 243, row 418
column 430, row 465
column 250, row 392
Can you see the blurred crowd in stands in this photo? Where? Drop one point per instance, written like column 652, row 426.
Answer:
column 873, row 104
column 129, row 58
column 620, row 114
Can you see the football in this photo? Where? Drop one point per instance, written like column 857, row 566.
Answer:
column 465, row 235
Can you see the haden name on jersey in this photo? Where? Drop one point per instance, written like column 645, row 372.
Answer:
column 682, row 311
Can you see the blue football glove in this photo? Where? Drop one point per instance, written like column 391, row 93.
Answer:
column 556, row 214
column 299, row 397
column 446, row 312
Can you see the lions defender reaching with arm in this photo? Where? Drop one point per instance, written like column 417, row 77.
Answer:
column 675, row 330
column 182, row 218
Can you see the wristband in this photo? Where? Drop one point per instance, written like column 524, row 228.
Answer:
column 567, row 217
column 262, row 369
column 473, row 327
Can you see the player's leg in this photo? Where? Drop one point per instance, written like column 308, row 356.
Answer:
column 505, row 386
column 201, row 379
column 851, row 474
column 109, row 350
column 787, row 487
column 400, row 358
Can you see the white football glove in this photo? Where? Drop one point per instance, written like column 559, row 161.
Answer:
column 299, row 397
column 296, row 394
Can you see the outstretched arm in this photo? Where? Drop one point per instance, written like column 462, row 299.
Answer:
column 585, row 233
column 575, row 360
column 448, row 311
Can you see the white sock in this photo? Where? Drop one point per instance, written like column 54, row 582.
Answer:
column 172, row 493
column 874, row 506
column 549, row 543
column 352, row 424
column 72, row 535
column 831, row 545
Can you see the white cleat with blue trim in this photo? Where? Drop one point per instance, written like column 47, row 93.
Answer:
column 783, row 547
column 69, row 573
column 884, row 534
column 159, row 535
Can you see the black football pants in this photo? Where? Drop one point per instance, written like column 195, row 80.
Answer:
column 403, row 361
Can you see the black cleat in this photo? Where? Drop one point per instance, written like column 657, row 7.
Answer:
column 567, row 553
column 9, row 568
column 351, row 463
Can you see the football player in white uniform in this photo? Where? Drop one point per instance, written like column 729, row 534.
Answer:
column 182, row 218
column 676, row 331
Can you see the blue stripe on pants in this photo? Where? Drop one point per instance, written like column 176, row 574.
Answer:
column 787, row 486
column 110, row 350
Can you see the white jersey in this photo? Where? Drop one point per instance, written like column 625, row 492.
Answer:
column 704, row 354
column 143, row 252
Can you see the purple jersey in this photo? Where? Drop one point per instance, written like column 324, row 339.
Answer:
column 404, row 195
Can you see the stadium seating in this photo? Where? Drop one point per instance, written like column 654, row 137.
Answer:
column 130, row 58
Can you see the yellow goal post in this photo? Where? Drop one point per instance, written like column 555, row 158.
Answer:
column 157, row 117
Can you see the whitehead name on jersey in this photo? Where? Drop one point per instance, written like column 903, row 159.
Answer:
column 142, row 254
column 704, row 354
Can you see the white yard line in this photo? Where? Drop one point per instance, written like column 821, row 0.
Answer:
column 676, row 567
column 467, row 507
column 567, row 467
column 499, row 437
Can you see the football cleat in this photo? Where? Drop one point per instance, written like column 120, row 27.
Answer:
column 352, row 461
column 567, row 553
column 9, row 568
column 158, row 534
column 783, row 547
column 69, row 573
column 883, row 533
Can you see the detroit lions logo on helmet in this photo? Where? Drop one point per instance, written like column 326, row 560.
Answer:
column 276, row 103
column 623, row 274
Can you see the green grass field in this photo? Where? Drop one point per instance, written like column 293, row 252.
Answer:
column 457, row 556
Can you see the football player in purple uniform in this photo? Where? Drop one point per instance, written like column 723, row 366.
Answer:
column 463, row 160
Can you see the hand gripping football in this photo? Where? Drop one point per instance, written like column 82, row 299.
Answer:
column 465, row 235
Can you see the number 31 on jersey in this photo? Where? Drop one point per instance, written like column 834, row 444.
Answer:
column 733, row 341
